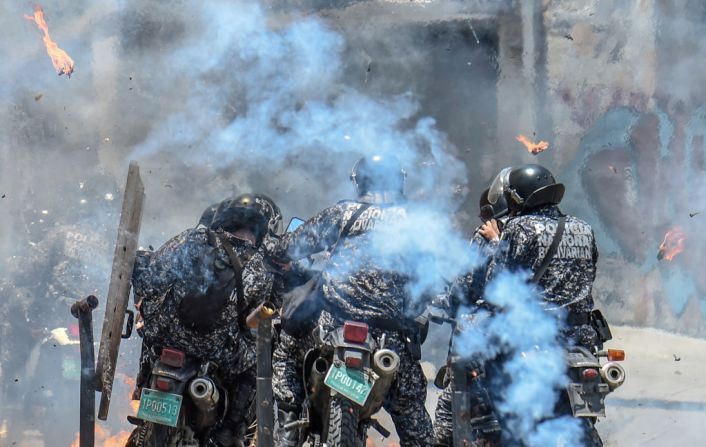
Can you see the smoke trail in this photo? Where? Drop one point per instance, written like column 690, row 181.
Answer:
column 284, row 97
column 535, row 364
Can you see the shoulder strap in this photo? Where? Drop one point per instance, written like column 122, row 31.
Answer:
column 347, row 228
column 551, row 251
column 238, row 269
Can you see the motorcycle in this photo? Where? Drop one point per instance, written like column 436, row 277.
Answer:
column 183, row 402
column 590, row 381
column 347, row 376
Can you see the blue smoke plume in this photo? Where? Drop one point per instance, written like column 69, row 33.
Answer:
column 535, row 365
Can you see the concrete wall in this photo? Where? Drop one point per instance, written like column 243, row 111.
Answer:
column 629, row 131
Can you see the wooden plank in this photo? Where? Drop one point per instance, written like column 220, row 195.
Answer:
column 119, row 288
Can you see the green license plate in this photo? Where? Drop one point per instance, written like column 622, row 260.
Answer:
column 158, row 407
column 349, row 382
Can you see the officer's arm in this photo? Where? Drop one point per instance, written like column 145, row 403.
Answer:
column 512, row 253
column 313, row 236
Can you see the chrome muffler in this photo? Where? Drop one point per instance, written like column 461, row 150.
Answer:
column 205, row 395
column 385, row 363
column 613, row 374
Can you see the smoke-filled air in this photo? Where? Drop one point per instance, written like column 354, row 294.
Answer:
column 409, row 109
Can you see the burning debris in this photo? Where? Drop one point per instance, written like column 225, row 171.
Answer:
column 59, row 58
column 672, row 245
column 532, row 147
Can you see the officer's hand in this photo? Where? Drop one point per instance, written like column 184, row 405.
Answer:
column 490, row 230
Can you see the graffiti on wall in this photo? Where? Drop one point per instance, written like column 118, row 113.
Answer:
column 641, row 174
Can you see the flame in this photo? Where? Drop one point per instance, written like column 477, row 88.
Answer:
column 61, row 61
column 130, row 383
column 672, row 245
column 105, row 439
column 533, row 148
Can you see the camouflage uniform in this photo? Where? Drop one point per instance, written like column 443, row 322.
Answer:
column 356, row 287
column 195, row 263
column 466, row 290
column 566, row 284
column 568, row 281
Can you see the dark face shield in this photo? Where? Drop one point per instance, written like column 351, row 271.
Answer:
column 499, row 185
column 486, row 213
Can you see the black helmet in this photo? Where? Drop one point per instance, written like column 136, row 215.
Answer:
column 380, row 177
column 208, row 214
column 526, row 187
column 492, row 210
column 256, row 212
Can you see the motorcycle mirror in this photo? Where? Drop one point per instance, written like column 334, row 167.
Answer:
column 294, row 223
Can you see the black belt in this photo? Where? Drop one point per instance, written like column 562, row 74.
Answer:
column 578, row 318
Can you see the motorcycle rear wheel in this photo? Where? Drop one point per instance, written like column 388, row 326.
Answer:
column 151, row 435
column 343, row 424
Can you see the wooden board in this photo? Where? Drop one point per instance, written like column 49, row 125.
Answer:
column 119, row 288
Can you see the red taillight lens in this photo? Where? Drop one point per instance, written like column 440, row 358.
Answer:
column 172, row 357
column 354, row 360
column 355, row 332
column 589, row 374
column 616, row 355
column 164, row 384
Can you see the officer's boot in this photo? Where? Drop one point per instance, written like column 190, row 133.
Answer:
column 231, row 432
column 286, row 414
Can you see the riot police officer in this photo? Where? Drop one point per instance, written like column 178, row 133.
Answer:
column 367, row 292
column 558, row 250
column 195, row 298
column 467, row 290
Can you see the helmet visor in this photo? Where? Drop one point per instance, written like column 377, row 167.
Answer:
column 497, row 188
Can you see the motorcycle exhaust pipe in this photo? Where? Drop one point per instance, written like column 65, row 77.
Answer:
column 385, row 363
column 317, row 375
column 613, row 374
column 204, row 394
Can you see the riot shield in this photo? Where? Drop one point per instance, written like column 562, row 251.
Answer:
column 119, row 288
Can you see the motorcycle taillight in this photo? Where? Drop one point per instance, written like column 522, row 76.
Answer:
column 163, row 383
column 354, row 360
column 355, row 331
column 172, row 357
column 589, row 374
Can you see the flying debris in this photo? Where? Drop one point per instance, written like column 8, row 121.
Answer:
column 63, row 64
column 672, row 245
column 532, row 147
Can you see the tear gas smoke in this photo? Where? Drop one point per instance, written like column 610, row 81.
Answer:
column 223, row 98
column 534, row 366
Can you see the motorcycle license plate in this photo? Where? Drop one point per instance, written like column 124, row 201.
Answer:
column 350, row 383
column 158, row 407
